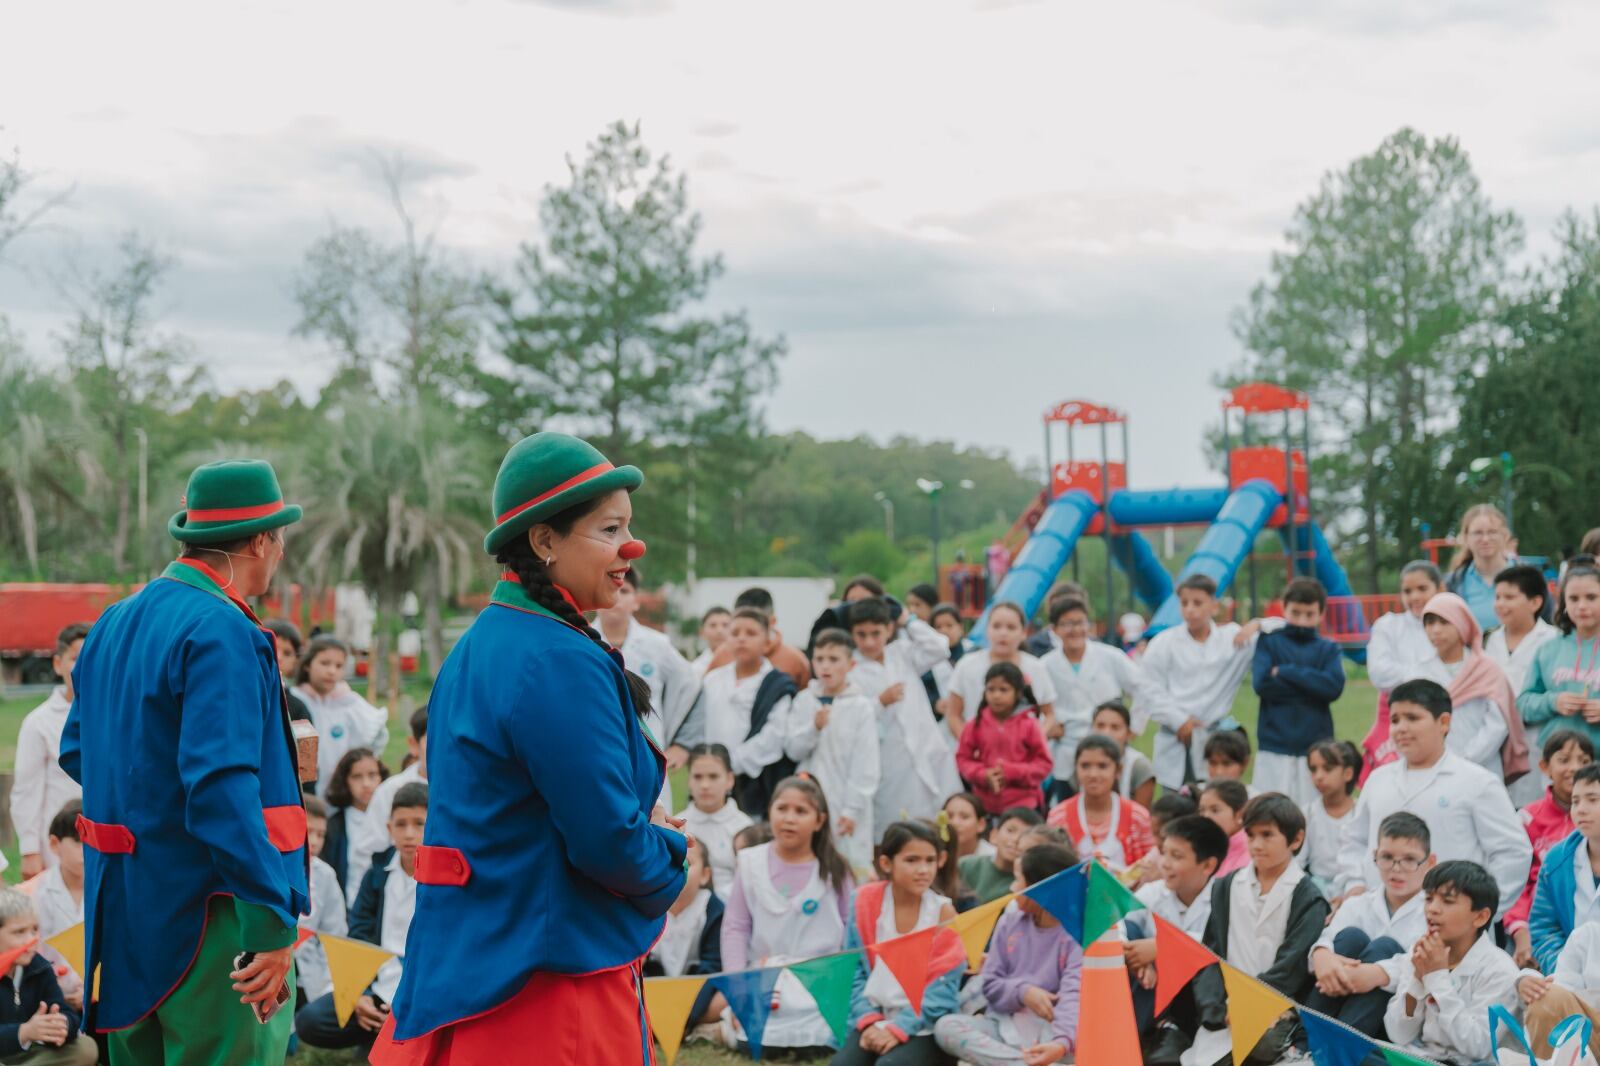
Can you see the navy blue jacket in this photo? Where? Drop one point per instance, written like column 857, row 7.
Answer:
column 366, row 913
column 18, row 1004
column 707, row 961
column 1296, row 703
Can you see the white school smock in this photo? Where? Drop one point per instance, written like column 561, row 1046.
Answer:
column 716, row 831
column 1451, row 1022
column 1396, row 645
column 1369, row 912
column 372, row 832
column 843, row 758
column 883, row 989
column 1469, row 816
column 1106, row 673
column 1578, row 966
column 1164, row 903
column 41, row 787
column 729, row 701
column 327, row 915
column 967, row 681
column 344, row 720
column 1320, row 855
column 917, row 763
column 1517, row 663
column 358, row 859
column 788, row 929
column 679, row 945
column 673, row 683
column 1477, row 727
column 399, row 904
column 1182, row 678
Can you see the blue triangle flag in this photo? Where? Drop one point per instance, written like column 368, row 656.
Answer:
column 1333, row 1044
column 1065, row 896
column 749, row 993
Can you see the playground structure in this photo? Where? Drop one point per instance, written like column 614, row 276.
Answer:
column 1268, row 488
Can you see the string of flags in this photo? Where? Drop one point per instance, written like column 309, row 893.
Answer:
column 1088, row 901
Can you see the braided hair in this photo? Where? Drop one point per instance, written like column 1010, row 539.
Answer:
column 517, row 556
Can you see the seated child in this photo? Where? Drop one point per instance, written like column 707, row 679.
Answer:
column 1562, row 899
column 1549, row 822
column 833, row 736
column 328, row 914
column 1297, row 673
column 1086, row 674
column 691, row 943
column 1264, row 919
column 990, row 876
column 58, row 896
column 37, row 1025
column 343, row 719
column 1030, row 979
column 1574, row 988
column 1455, row 973
column 744, row 706
column 1002, row 753
column 1228, row 757
column 752, row 835
column 1164, row 810
column 1192, row 849
column 712, row 817
column 1362, row 956
column 1335, row 767
column 1101, row 823
column 1224, row 802
column 963, row 813
column 349, row 792
column 381, row 916
column 1138, row 780
column 882, row 1024
column 790, row 901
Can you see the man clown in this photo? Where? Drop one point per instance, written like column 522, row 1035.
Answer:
column 193, row 829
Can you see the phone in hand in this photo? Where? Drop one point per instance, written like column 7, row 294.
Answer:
column 264, row 1011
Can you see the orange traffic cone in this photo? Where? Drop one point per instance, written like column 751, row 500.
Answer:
column 1108, row 1035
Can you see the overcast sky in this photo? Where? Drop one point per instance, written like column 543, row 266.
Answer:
column 957, row 213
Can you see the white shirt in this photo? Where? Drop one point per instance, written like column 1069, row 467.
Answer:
column 327, row 916
column 1517, row 663
column 53, row 902
column 375, row 823
column 1578, row 965
column 399, row 903
column 916, row 754
column 967, row 681
column 1105, row 673
column 1257, row 924
column 1182, row 678
column 1320, row 856
column 1586, row 894
column 673, row 683
column 729, row 703
column 716, row 831
column 1477, row 726
column 679, row 945
column 1452, row 1006
column 1397, row 644
column 1469, row 816
column 1164, row 903
column 41, row 787
column 843, row 758
column 1369, row 912
column 344, row 720
column 358, row 858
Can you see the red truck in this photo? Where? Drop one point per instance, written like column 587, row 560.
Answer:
column 30, row 617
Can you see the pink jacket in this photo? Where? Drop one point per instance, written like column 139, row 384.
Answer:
column 1017, row 746
column 1547, row 825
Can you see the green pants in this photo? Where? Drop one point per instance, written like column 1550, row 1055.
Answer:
column 202, row 1023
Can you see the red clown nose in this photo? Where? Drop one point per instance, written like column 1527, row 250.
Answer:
column 632, row 550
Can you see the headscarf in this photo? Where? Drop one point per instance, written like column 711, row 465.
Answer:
column 1481, row 677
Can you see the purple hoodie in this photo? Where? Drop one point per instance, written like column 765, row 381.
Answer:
column 1022, row 954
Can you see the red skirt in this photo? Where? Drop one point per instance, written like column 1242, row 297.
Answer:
column 571, row 1021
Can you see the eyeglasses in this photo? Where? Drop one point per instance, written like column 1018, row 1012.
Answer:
column 1393, row 862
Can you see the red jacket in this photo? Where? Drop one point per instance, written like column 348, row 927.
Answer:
column 1547, row 825
column 1017, row 746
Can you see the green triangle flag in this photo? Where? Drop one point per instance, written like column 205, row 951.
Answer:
column 1397, row 1057
column 829, row 980
column 1108, row 901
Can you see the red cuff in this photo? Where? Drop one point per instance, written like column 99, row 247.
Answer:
column 899, row 1033
column 868, row 1021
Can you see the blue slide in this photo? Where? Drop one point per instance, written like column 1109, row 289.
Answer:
column 1134, row 555
column 1225, row 545
column 1042, row 557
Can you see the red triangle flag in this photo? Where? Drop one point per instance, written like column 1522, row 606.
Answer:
column 9, row 959
column 907, row 958
column 1178, row 958
column 304, row 935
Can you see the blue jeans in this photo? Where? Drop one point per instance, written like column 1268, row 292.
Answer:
column 1362, row 1012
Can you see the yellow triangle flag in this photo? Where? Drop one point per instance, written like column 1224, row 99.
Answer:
column 1252, row 1009
column 974, row 927
column 352, row 964
column 668, row 1001
column 70, row 943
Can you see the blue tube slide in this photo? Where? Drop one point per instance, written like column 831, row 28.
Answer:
column 1164, row 507
column 1328, row 571
column 1151, row 582
column 1042, row 557
column 1225, row 545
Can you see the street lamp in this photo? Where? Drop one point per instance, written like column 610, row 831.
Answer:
column 932, row 490
column 888, row 514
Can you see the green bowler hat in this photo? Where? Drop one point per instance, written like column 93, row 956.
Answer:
column 230, row 500
column 545, row 474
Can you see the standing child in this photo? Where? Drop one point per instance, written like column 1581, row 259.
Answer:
column 1007, row 627
column 745, row 707
column 1101, row 823
column 1187, row 680
column 1520, row 593
column 1031, row 977
column 713, row 634
column 1335, row 765
column 343, row 719
column 1563, row 686
column 1549, row 822
column 41, row 787
column 673, row 683
column 691, row 943
column 1002, row 753
column 890, row 662
column 37, row 1025
column 833, row 737
column 1138, row 779
column 1485, row 726
column 350, row 789
column 328, row 913
column 946, row 619
column 990, row 876
column 712, row 817
column 963, row 813
column 1228, row 757
column 883, row 1026
column 1298, row 674
column 1224, row 803
column 1455, row 972
column 58, row 897
column 1086, row 674
column 1397, row 646
column 790, row 901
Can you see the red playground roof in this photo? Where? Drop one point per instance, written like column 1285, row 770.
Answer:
column 1083, row 413
column 1260, row 397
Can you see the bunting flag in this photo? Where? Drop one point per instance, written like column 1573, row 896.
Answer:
column 8, row 959
column 1252, row 1010
column 1065, row 896
column 1396, row 1057
column 749, row 994
column 977, row 925
column 70, row 943
column 829, row 980
column 668, row 1002
column 1333, row 1044
column 1108, row 1034
column 1107, row 902
column 907, row 957
column 352, row 964
column 304, row 935
column 1178, row 958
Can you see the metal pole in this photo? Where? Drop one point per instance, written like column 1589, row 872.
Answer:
column 144, row 499
column 1508, row 493
column 1105, row 515
column 935, row 495
column 1125, row 474
column 1049, row 466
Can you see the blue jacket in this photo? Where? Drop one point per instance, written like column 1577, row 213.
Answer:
column 1553, row 916
column 180, row 738
column 20, row 997
column 542, row 779
column 1296, row 705
column 366, row 913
